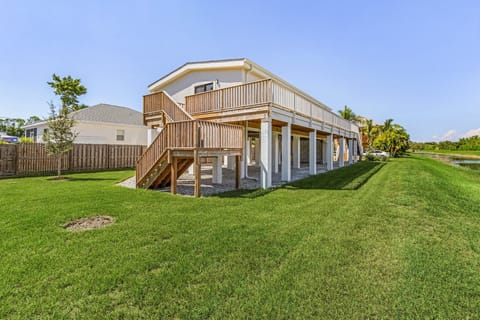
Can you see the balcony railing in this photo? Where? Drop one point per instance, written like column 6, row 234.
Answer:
column 157, row 102
column 265, row 93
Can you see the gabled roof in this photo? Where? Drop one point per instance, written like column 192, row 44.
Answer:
column 198, row 65
column 104, row 113
column 225, row 64
column 109, row 113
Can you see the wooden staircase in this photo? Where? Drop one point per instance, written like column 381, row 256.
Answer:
column 181, row 143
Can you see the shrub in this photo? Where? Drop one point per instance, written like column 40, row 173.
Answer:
column 26, row 140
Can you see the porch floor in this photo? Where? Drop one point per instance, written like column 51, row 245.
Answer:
column 185, row 183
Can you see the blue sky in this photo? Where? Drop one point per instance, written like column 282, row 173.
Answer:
column 417, row 62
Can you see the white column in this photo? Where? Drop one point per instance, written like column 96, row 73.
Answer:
column 275, row 152
column 324, row 151
column 217, row 170
column 312, row 143
column 296, row 152
column 190, row 170
column 286, row 144
column 341, row 150
column 258, row 148
column 350, row 151
column 231, row 162
column 225, row 161
column 243, row 161
column 355, row 150
column 329, row 153
column 266, row 154
column 247, row 153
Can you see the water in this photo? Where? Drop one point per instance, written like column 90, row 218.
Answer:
column 466, row 162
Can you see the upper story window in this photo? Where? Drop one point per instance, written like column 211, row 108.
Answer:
column 204, row 87
column 120, row 135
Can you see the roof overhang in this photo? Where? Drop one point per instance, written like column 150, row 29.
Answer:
column 188, row 67
column 228, row 64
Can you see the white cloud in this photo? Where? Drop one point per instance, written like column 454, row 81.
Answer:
column 450, row 135
column 471, row 133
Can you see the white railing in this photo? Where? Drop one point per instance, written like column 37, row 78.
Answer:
column 301, row 104
column 264, row 93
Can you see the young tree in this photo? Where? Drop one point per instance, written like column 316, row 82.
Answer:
column 60, row 135
column 69, row 90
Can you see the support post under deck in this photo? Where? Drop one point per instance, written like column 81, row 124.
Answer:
column 266, row 154
column 341, row 151
column 286, row 153
column 312, row 143
column 197, row 173
column 350, row 151
column 237, row 171
column 329, row 154
column 173, row 175
column 296, row 152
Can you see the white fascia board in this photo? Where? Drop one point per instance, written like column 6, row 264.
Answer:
column 34, row 125
column 197, row 66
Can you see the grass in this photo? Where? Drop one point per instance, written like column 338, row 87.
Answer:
column 455, row 152
column 398, row 240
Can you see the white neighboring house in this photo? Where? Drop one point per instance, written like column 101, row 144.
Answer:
column 100, row 124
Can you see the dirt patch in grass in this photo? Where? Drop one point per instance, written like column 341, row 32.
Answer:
column 88, row 223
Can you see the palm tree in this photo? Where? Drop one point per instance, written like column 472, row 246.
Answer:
column 347, row 114
column 369, row 131
column 387, row 125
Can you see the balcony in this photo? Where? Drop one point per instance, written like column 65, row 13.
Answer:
column 261, row 96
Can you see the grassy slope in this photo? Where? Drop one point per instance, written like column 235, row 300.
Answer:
column 403, row 245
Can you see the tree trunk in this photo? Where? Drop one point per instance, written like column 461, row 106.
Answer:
column 59, row 165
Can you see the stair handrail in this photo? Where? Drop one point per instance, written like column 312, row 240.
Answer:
column 188, row 135
column 178, row 111
column 143, row 167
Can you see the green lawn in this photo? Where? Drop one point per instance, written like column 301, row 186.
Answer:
column 398, row 241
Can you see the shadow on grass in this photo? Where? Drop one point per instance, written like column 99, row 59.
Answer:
column 75, row 179
column 244, row 193
column 347, row 178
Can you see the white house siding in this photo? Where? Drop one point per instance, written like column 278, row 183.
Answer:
column 185, row 85
column 103, row 133
column 106, row 133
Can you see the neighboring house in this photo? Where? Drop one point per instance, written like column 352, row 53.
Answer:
column 237, row 109
column 100, row 124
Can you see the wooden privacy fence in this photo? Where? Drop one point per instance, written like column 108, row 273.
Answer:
column 32, row 158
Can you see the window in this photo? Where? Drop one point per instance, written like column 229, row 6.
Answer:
column 204, row 87
column 31, row 133
column 120, row 135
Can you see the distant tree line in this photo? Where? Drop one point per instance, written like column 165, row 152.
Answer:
column 13, row 126
column 466, row 144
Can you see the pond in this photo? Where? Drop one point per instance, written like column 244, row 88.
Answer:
column 466, row 162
